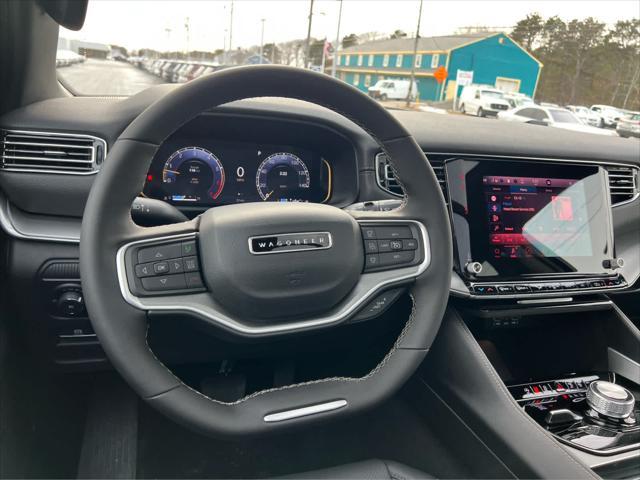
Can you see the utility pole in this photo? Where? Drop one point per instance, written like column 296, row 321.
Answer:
column 262, row 40
column 413, row 61
column 335, row 47
column 231, row 30
column 187, row 22
column 307, row 48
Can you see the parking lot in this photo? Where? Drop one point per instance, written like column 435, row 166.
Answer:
column 106, row 77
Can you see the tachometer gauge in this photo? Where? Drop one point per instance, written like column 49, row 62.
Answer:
column 193, row 174
column 283, row 177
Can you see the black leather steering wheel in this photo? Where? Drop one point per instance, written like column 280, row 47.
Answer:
column 318, row 280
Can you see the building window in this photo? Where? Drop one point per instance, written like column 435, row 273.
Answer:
column 370, row 62
column 356, row 79
column 347, row 59
column 385, row 60
column 367, row 80
column 418, row 63
column 435, row 59
column 399, row 60
column 359, row 60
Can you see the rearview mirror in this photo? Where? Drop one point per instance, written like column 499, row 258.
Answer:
column 67, row 13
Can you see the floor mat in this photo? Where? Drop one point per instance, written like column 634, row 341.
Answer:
column 394, row 431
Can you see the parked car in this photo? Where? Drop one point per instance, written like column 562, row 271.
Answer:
column 608, row 116
column 393, row 90
column 518, row 99
column 482, row 101
column 629, row 126
column 585, row 115
column 550, row 116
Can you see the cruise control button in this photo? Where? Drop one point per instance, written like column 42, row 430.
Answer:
column 411, row 244
column 193, row 280
column 161, row 267
column 384, row 245
column 396, row 244
column 188, row 248
column 371, row 246
column 144, row 270
column 396, row 258
column 393, row 232
column 176, row 266
column 166, row 282
column 159, row 252
column 372, row 261
column 368, row 233
column 191, row 264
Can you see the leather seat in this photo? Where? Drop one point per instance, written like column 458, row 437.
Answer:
column 368, row 469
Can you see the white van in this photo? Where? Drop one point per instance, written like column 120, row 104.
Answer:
column 482, row 101
column 393, row 90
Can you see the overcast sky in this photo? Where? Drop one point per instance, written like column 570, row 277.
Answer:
column 161, row 24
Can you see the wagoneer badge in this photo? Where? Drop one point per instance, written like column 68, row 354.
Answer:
column 290, row 242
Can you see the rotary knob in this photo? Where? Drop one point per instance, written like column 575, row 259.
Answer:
column 610, row 400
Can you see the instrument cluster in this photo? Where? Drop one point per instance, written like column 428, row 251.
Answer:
column 203, row 174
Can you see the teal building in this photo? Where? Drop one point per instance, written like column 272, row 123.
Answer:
column 494, row 58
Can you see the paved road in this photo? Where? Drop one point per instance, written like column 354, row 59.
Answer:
column 106, row 77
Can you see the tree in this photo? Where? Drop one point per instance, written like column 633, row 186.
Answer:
column 583, row 36
column 528, row 31
column 350, row 40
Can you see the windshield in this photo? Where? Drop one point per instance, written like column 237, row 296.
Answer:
column 563, row 116
column 526, row 51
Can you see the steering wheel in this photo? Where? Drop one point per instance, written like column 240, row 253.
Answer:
column 262, row 270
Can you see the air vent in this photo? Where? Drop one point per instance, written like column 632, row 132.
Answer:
column 387, row 180
column 51, row 152
column 623, row 183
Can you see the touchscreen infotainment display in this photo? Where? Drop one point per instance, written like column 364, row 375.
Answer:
column 534, row 216
column 520, row 218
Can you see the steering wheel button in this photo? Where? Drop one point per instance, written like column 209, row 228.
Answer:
column 191, row 264
column 165, row 282
column 193, row 279
column 176, row 266
column 161, row 267
column 411, row 244
column 394, row 232
column 396, row 244
column 396, row 258
column 144, row 270
column 159, row 252
column 188, row 248
column 371, row 246
column 384, row 245
column 372, row 261
column 368, row 232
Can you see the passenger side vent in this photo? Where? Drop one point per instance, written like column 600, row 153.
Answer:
column 623, row 183
column 51, row 152
column 386, row 179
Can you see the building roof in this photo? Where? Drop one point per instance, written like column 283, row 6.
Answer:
column 446, row 42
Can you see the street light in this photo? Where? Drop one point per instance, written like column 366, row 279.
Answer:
column 262, row 41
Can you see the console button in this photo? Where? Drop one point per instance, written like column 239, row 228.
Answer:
column 505, row 289
column 191, row 264
column 396, row 258
column 144, row 270
column 159, row 252
column 371, row 246
column 393, row 232
column 536, row 287
column 485, row 289
column 193, row 280
column 597, row 284
column 188, row 248
column 522, row 288
column 368, row 232
column 165, row 282
column 161, row 267
column 384, row 245
column 411, row 244
column 176, row 266
column 372, row 261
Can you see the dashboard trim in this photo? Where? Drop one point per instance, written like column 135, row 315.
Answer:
column 368, row 286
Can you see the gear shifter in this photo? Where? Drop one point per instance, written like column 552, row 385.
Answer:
column 610, row 400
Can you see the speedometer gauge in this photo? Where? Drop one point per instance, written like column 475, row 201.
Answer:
column 193, row 174
column 283, row 177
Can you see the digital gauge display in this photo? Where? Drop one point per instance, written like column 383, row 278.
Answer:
column 198, row 173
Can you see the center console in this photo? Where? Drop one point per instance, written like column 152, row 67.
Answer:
column 531, row 229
